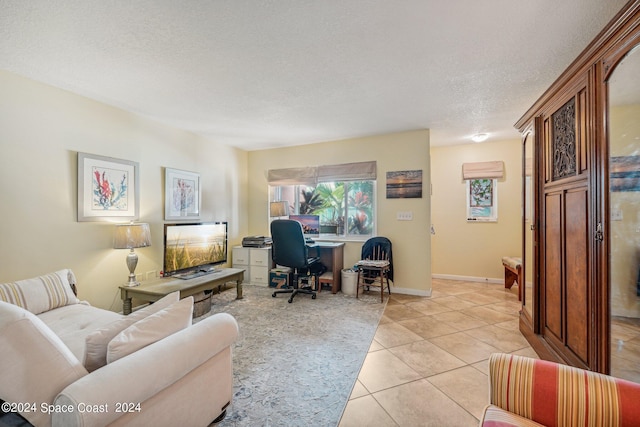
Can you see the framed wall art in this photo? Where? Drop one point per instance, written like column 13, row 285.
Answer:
column 181, row 194
column 404, row 184
column 624, row 173
column 482, row 200
column 108, row 189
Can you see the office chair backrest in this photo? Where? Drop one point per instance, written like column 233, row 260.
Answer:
column 378, row 248
column 288, row 244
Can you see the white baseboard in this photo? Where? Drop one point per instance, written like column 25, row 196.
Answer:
column 468, row 278
column 427, row 292
column 414, row 292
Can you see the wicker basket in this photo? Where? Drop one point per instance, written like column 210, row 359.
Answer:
column 202, row 303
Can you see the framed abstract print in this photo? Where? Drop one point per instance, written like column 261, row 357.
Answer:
column 181, row 194
column 108, row 189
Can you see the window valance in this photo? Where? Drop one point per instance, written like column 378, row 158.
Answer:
column 347, row 172
column 293, row 176
column 326, row 173
column 480, row 170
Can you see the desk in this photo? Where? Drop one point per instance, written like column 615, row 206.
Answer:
column 332, row 256
column 153, row 290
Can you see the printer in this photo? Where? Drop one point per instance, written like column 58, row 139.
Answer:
column 256, row 241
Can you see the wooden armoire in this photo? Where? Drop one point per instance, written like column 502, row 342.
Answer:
column 567, row 203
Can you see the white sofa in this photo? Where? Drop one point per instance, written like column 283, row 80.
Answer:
column 66, row 363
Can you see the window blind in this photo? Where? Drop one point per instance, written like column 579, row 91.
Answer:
column 483, row 170
column 347, row 172
column 293, row 176
column 311, row 175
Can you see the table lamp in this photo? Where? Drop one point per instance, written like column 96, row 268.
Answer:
column 278, row 209
column 130, row 236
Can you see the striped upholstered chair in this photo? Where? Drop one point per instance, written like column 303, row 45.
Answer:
column 531, row 392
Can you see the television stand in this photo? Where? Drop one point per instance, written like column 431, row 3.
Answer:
column 153, row 290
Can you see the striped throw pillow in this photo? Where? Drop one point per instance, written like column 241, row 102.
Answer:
column 42, row 293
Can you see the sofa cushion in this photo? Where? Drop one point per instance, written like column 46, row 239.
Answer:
column 176, row 317
column 42, row 293
column 34, row 363
column 498, row 417
column 73, row 323
column 95, row 355
column 558, row 395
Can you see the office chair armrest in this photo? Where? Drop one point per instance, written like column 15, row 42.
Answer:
column 316, row 247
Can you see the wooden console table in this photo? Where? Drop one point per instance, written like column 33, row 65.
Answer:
column 153, row 290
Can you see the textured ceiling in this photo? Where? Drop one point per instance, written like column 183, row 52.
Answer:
column 268, row 73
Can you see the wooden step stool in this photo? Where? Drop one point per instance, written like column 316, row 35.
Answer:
column 513, row 273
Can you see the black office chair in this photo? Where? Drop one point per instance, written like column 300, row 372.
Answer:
column 290, row 249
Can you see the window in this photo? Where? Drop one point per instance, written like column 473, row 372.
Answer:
column 482, row 200
column 343, row 196
column 482, row 189
column 346, row 209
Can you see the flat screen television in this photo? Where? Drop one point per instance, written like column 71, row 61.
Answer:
column 194, row 247
column 310, row 224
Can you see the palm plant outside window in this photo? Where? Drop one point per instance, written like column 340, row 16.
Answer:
column 346, row 208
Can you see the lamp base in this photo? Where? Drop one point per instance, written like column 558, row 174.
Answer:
column 132, row 261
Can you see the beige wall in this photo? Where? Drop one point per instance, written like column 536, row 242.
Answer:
column 470, row 250
column 393, row 152
column 41, row 130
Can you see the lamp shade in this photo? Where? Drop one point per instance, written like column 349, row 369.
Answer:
column 130, row 236
column 279, row 209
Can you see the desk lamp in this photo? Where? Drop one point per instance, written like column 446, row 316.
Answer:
column 130, row 236
column 279, row 209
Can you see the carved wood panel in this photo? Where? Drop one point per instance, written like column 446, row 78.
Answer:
column 564, row 141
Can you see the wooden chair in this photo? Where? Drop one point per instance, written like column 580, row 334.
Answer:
column 376, row 263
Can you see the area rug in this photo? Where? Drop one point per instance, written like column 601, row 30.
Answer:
column 296, row 364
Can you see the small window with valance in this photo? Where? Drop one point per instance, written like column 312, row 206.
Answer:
column 482, row 189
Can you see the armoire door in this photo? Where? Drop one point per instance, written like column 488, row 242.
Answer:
column 621, row 211
column 565, row 275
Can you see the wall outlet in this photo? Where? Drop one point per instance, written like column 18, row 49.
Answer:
column 404, row 216
column 151, row 274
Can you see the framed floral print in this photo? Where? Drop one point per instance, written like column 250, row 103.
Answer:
column 181, row 194
column 108, row 189
column 482, row 200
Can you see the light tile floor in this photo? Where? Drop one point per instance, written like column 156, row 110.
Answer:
column 625, row 348
column 427, row 365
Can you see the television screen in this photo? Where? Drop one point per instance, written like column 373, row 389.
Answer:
column 194, row 247
column 310, row 224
